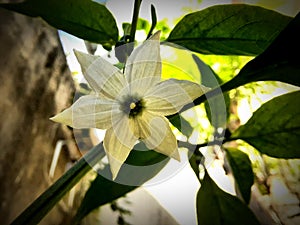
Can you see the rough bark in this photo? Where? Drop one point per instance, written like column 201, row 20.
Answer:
column 35, row 85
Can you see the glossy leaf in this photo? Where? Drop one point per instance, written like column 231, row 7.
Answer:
column 216, row 207
column 279, row 62
column 85, row 19
column 274, row 129
column 242, row 170
column 217, row 107
column 235, row 29
column 146, row 164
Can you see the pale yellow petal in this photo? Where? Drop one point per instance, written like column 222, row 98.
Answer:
column 102, row 76
column 118, row 142
column 157, row 134
column 143, row 67
column 89, row 112
column 169, row 96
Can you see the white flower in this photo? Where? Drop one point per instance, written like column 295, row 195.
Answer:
column 131, row 106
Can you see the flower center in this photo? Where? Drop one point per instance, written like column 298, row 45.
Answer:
column 132, row 106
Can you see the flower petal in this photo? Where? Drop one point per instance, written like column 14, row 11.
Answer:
column 157, row 134
column 118, row 142
column 143, row 66
column 102, row 76
column 89, row 111
column 169, row 96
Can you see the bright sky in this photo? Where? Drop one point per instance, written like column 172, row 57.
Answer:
column 177, row 193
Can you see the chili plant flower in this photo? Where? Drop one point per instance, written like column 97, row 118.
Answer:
column 131, row 106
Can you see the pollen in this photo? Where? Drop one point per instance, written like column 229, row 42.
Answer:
column 132, row 105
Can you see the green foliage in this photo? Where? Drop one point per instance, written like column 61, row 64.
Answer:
column 274, row 129
column 229, row 30
column 163, row 26
column 225, row 66
column 216, row 207
column 103, row 190
column 242, row 171
column 83, row 18
column 279, row 62
column 126, row 28
column 143, row 24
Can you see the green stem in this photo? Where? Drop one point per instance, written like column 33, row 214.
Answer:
column 209, row 143
column 136, row 10
column 198, row 101
column 154, row 20
column 34, row 213
column 210, row 94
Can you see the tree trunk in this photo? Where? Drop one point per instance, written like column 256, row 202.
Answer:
column 35, row 85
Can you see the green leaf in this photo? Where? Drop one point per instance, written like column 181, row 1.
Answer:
column 235, row 29
column 146, row 164
column 242, row 171
column 181, row 124
column 35, row 212
column 216, row 207
column 100, row 192
column 274, row 129
column 280, row 61
column 142, row 24
column 216, row 107
column 126, row 28
column 83, row 18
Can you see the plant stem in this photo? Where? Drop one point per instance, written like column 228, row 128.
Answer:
column 34, row 213
column 192, row 147
column 154, row 20
column 136, row 10
column 210, row 94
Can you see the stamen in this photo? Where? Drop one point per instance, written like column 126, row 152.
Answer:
column 132, row 105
